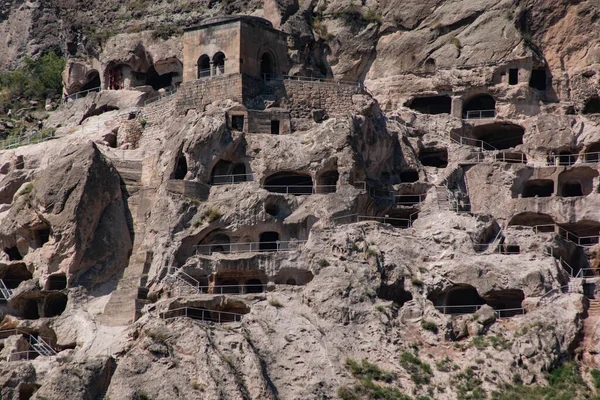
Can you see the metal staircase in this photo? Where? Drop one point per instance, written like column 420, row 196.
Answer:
column 40, row 346
column 5, row 292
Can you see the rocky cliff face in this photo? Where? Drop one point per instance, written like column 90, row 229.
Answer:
column 437, row 239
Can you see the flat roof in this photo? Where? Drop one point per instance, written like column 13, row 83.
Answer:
column 226, row 19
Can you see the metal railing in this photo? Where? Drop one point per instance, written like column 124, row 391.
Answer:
column 300, row 190
column 470, row 309
column 14, row 142
column 229, row 289
column 231, row 179
column 511, row 157
column 170, row 92
column 5, row 292
column 472, row 142
column 480, row 114
column 37, row 343
column 313, row 79
column 249, row 247
column 409, row 199
column 201, row 314
column 354, row 218
column 79, row 95
column 582, row 241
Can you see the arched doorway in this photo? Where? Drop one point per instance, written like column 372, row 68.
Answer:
column 480, row 106
column 289, row 182
column 460, row 299
column 221, row 173
column 268, row 241
column 181, row 168
column 219, row 63
column 229, row 286
column 222, row 244
column 93, row 81
column 267, row 66
column 203, row 66
column 328, row 182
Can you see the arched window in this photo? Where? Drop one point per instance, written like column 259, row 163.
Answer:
column 203, row 66
column 267, row 66
column 219, row 63
column 239, row 173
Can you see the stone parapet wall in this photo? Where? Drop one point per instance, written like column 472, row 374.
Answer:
column 199, row 93
column 301, row 97
column 155, row 114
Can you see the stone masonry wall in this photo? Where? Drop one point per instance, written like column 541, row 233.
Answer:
column 199, row 93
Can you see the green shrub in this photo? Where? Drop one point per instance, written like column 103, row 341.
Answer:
column 381, row 309
column 429, row 326
column 595, row 378
column 369, row 371
column 275, row 303
column 420, row 372
column 323, row 263
column 27, row 189
column 416, row 281
column 456, row 42
column 142, row 395
column 166, row 31
column 212, row 214
column 445, row 365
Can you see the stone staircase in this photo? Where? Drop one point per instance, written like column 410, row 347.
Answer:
column 441, row 193
column 591, row 323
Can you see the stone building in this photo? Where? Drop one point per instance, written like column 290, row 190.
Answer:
column 233, row 45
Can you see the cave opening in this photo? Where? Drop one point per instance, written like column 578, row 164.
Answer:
column 222, row 244
column 394, row 292
column 13, row 253
column 269, row 241
column 538, row 188
column 592, row 153
column 289, row 182
column 181, row 168
column 275, row 127
column 437, row 158
column 239, row 172
column 538, row 80
column 542, row 222
column 409, row 176
column 480, row 106
column 291, row 282
column 432, row 104
column 31, row 310
column 592, row 106
column 459, row 298
column 42, row 236
column 327, row 183
column 26, row 391
column 93, row 81
column 229, row 286
column 571, row 189
column 159, row 81
column 499, row 136
column 513, row 76
column 56, row 282
column 55, row 305
column 254, row 286
column 15, row 275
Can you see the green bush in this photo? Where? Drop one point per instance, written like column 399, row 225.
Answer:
column 420, row 372
column 595, row 378
column 275, row 303
column 166, row 31
column 429, row 326
column 37, row 80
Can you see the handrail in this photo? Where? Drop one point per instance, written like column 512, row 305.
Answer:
column 77, row 95
column 300, row 189
column 231, row 179
column 465, row 309
column 420, row 198
column 172, row 91
column 462, row 140
column 480, row 114
column 200, row 314
column 4, row 291
column 248, row 247
column 13, row 142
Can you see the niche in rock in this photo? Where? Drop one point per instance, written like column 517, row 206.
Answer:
column 56, row 282
column 539, row 79
column 431, row 157
column 327, row 183
column 55, row 304
column 181, row 168
column 31, row 310
column 513, row 76
column 592, row 153
column 229, row 286
column 289, row 182
column 268, row 241
column 538, row 188
column 13, row 253
column 409, row 176
column 592, row 106
column 431, row 105
column 480, row 106
column 394, row 292
column 505, row 299
column 460, row 299
column 26, row 391
column 499, row 136
column 93, row 81
column 577, row 181
column 542, row 222
column 42, row 236
column 15, row 275
column 254, row 286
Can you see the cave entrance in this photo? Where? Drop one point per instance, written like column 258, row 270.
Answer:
column 269, row 241
column 42, row 236
column 583, row 233
column 222, row 244
column 538, row 188
column 254, row 286
column 30, row 309
column 159, row 81
column 592, row 153
column 499, row 136
column 289, row 182
column 409, row 176
column 432, row 104
column 462, row 299
column 566, row 158
column 571, row 189
column 93, row 81
column 181, row 168
column 437, row 158
column 543, row 223
column 505, row 299
column 230, row 286
column 237, row 122
column 239, row 173
column 539, row 79
column 26, row 391
column 55, row 304
column 221, row 173
column 56, row 282
column 592, row 106
column 480, row 106
column 13, row 253
column 327, row 183
column 15, row 275
column 394, row 292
